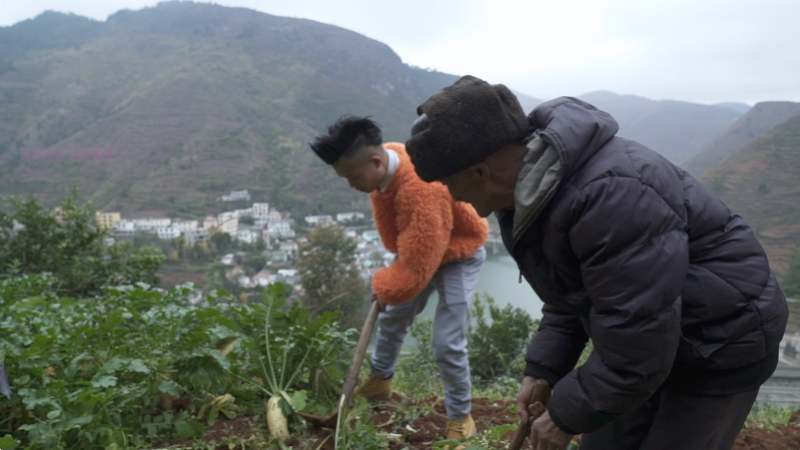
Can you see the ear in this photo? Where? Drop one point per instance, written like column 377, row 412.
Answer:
column 375, row 160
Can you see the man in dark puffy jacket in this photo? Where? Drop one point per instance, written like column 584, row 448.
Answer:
column 624, row 248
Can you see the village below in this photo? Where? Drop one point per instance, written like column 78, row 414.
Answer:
column 244, row 250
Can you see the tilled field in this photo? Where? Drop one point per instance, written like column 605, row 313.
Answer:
column 428, row 426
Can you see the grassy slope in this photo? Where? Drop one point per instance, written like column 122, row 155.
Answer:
column 760, row 182
column 196, row 100
column 758, row 120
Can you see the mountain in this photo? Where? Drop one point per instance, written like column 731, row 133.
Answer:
column 527, row 102
column 165, row 109
column 738, row 108
column 758, row 120
column 677, row 130
column 761, row 182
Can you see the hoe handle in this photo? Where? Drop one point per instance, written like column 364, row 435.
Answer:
column 541, row 394
column 361, row 350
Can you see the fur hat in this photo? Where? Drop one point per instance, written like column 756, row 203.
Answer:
column 462, row 125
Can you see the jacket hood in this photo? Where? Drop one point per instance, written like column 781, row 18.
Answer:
column 576, row 128
column 567, row 133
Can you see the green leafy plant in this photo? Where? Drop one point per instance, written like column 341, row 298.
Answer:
column 94, row 372
column 67, row 243
column 292, row 354
column 791, row 284
column 490, row 439
column 359, row 432
column 765, row 415
column 224, row 404
column 418, row 373
column 498, row 339
column 9, row 443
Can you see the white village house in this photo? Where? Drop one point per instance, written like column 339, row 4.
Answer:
column 370, row 235
column 280, row 229
column 236, row 196
column 168, row 232
column 274, row 215
column 288, row 273
column 318, row 220
column 192, row 237
column 264, row 278
column 349, row 216
column 247, row 236
column 289, row 247
column 152, row 224
column 228, row 222
column 247, row 212
column 124, row 228
column 185, row 225
column 261, row 210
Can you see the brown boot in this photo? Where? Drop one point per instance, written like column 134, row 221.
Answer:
column 375, row 389
column 460, row 429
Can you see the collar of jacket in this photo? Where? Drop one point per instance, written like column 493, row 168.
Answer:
column 538, row 180
column 394, row 162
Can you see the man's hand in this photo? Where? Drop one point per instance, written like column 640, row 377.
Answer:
column 545, row 435
column 524, row 396
column 381, row 305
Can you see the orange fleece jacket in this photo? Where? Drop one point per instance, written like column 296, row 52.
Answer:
column 424, row 226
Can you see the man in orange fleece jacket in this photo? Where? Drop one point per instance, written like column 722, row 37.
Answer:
column 439, row 246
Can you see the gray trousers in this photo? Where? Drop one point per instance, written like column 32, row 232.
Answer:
column 455, row 283
column 673, row 420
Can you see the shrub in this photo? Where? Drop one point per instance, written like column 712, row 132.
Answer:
column 498, row 339
column 68, row 245
column 418, row 372
column 329, row 276
column 791, row 284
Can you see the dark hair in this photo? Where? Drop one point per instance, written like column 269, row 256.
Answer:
column 347, row 134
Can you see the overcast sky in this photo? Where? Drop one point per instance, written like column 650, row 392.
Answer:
column 696, row 50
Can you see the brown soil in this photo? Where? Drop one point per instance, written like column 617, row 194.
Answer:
column 421, row 432
column 242, row 426
column 785, row 438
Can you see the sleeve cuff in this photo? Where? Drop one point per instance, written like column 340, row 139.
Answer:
column 537, row 371
column 559, row 423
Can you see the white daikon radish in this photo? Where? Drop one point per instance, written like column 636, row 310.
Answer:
column 276, row 421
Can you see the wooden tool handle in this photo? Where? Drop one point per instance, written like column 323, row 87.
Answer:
column 361, row 350
column 541, row 394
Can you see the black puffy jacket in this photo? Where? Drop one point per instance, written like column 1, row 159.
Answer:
column 628, row 249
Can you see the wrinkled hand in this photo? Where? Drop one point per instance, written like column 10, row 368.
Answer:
column 545, row 435
column 524, row 396
column 381, row 305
